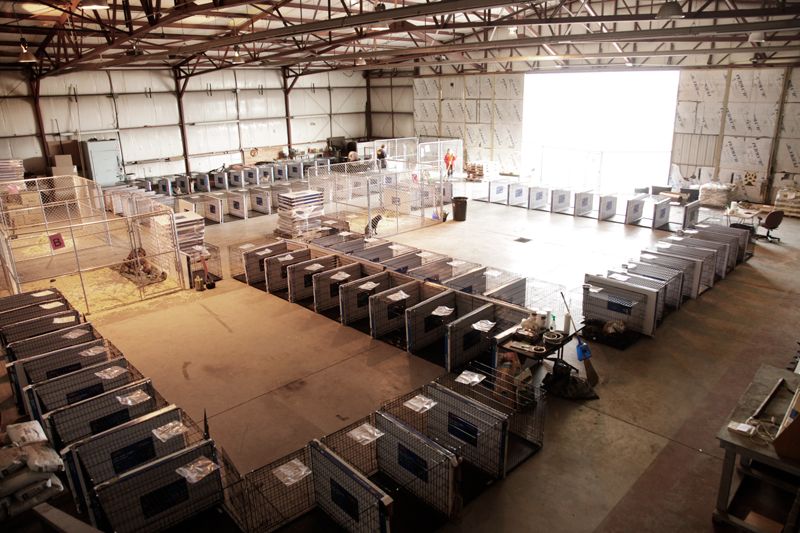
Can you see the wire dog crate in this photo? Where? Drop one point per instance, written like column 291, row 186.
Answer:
column 326, row 285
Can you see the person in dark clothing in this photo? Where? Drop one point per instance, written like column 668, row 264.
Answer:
column 381, row 155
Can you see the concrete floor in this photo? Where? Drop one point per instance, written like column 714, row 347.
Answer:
column 273, row 375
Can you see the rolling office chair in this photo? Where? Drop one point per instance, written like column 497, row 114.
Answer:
column 770, row 223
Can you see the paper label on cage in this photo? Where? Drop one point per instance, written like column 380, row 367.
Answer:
column 455, row 263
column 287, row 257
column 664, row 245
column 51, row 305
column 690, row 231
column 593, row 289
column 315, row 267
column 197, row 469
column 702, row 226
column 74, row 334
column 329, row 222
column 396, row 297
column 325, row 228
column 425, row 255
column 345, row 233
column 365, row 434
column 483, row 325
column 470, row 378
column 94, row 350
column 674, row 238
column 368, row 286
column 247, row 246
column 170, row 430
column 63, row 319
column 134, row 398
column 396, row 247
column 491, row 273
column 647, row 256
column 265, row 251
column 41, row 294
column 340, row 276
column 420, row 403
column 443, row 310
column 618, row 277
column 631, row 266
column 291, row 472
column 111, row 372
column 370, row 239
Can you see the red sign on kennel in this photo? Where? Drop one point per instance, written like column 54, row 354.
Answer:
column 56, row 241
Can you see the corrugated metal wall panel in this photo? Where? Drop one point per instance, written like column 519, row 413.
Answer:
column 309, row 102
column 211, row 162
column 59, row 113
column 266, row 132
column 382, row 125
column 140, row 81
column 403, row 126
column 82, row 83
column 16, row 117
column 348, row 100
column 310, row 129
column 348, row 126
column 209, row 107
column 141, row 110
column 14, row 83
column 219, row 80
column 381, row 100
column 255, row 79
column 403, row 99
column 21, row 148
column 205, row 138
column 96, row 113
column 158, row 168
column 261, row 104
column 151, row 143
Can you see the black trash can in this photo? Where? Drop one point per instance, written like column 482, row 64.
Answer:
column 460, row 208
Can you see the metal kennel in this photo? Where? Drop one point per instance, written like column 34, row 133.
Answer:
column 657, row 285
column 69, row 336
column 731, row 240
column 354, row 297
column 672, row 277
column 404, row 263
column 51, row 320
column 444, row 269
column 725, row 258
column 607, row 299
column 383, row 251
column 300, row 276
column 327, row 284
column 691, row 269
column 538, row 198
column 708, row 258
column 387, row 309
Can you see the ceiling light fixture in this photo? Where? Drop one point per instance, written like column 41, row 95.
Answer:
column 670, row 10
column 756, row 37
column 25, row 55
column 512, row 30
column 629, row 63
column 237, row 59
column 360, row 61
column 94, row 5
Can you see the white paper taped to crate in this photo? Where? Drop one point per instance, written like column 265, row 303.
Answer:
column 329, row 222
column 51, row 305
column 365, row 434
column 345, row 233
column 470, row 378
column 690, row 231
column 368, row 286
column 370, row 239
column 663, row 245
column 674, row 238
column 396, row 297
column 420, row 403
column 443, row 310
column 455, row 263
column 134, row 398
column 287, row 257
column 340, row 276
column 41, row 294
column 111, row 372
column 314, row 267
column 397, row 247
column 592, row 288
column 94, row 350
column 483, row 325
column 291, row 472
column 247, row 246
column 197, row 469
column 425, row 255
column 618, row 277
column 492, row 273
column 648, row 256
column 630, row 266
column 74, row 334
column 325, row 228
column 63, row 319
column 265, row 251
column 170, row 430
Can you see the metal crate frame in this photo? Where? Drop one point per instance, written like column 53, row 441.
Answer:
column 691, row 268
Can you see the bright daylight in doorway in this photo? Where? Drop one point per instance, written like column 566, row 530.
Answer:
column 607, row 132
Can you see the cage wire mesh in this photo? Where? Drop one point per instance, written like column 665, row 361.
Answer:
column 607, row 304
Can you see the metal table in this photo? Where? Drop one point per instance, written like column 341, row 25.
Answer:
column 752, row 451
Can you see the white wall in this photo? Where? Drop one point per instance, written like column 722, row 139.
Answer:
column 392, row 104
column 228, row 114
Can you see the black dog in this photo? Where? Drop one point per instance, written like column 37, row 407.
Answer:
column 372, row 224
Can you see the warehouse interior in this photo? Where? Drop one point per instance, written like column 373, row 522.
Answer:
column 454, row 265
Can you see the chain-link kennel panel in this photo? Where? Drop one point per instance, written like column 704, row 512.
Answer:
column 387, row 309
column 659, row 286
column 354, row 296
column 672, row 277
column 40, row 325
column 606, row 300
column 326, row 284
column 707, row 257
column 478, row 433
column 99, row 413
column 162, row 493
column 276, row 268
column 731, row 240
column 383, row 251
column 301, row 275
column 691, row 268
column 346, row 495
column 723, row 250
column 426, row 323
column 100, row 458
column 48, row 342
column 403, row 263
column 514, row 395
column 742, row 235
column 440, row 271
column 37, row 368
column 51, row 394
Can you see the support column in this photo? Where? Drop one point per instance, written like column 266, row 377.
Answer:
column 180, row 89
column 368, row 107
column 35, row 85
column 287, row 88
